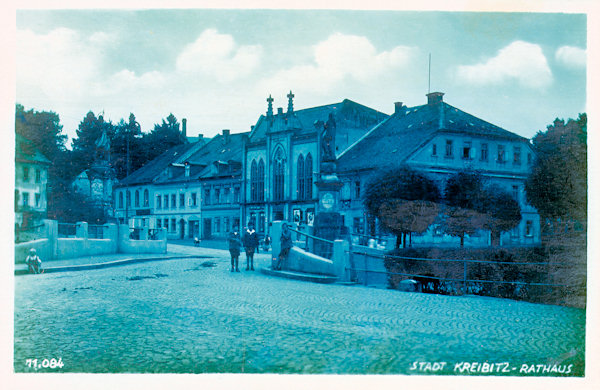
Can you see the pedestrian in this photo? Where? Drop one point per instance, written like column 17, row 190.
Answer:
column 266, row 243
column 286, row 245
column 250, row 245
column 196, row 241
column 34, row 263
column 234, row 248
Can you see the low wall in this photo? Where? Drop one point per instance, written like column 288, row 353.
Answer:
column 116, row 240
column 302, row 261
column 371, row 259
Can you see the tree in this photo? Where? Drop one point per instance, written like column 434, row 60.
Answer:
column 84, row 146
column 557, row 185
column 163, row 137
column 43, row 128
column 128, row 132
column 472, row 206
column 404, row 200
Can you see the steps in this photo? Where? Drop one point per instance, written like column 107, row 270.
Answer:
column 315, row 278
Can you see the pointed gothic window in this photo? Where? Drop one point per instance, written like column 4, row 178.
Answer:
column 137, row 198
column 308, row 175
column 300, row 178
column 146, row 198
column 261, row 180
column 253, row 181
column 278, row 175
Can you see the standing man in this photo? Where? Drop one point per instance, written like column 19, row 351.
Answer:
column 250, row 244
column 286, row 245
column 234, row 248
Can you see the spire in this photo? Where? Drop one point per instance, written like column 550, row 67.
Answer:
column 290, row 97
column 270, row 107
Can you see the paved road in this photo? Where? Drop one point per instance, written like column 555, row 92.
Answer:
column 195, row 316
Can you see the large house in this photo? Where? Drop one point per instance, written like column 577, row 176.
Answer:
column 439, row 140
column 31, row 178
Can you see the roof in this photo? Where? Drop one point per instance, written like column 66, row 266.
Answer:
column 151, row 170
column 393, row 140
column 347, row 115
column 26, row 151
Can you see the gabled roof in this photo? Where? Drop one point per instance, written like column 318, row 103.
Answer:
column 347, row 114
column 393, row 140
column 26, row 151
column 149, row 172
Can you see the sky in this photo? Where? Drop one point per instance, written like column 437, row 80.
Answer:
column 217, row 67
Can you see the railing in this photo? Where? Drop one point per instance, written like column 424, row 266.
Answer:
column 459, row 276
column 67, row 230
column 135, row 233
column 153, row 234
column 96, row 231
column 29, row 233
column 316, row 245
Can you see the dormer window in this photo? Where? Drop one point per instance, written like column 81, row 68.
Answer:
column 434, row 150
column 187, row 170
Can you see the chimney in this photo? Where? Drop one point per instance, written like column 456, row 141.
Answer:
column 279, row 110
column 435, row 98
column 226, row 133
column 184, row 127
column 200, row 137
column 252, row 128
column 399, row 108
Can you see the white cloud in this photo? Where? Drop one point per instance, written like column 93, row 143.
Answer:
column 521, row 61
column 217, row 55
column 102, row 38
column 338, row 58
column 572, row 57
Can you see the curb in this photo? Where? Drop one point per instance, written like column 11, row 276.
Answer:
column 115, row 263
column 315, row 278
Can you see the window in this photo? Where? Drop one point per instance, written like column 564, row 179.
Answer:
column 514, row 233
column 252, row 219
column 194, row 199
column 357, row 225
column 484, row 152
column 38, row 176
column 121, row 199
column 25, row 174
column 181, row 200
column 166, row 224
column 357, row 189
column 449, row 148
column 217, row 196
column 137, row 198
column 207, row 196
column 226, row 192
column 434, row 150
column 528, row 228
column 217, row 224
column 515, row 193
column 261, row 180
column 466, row 151
column 236, row 194
column 166, row 199
column 501, row 157
column 37, row 200
column 261, row 222
column 308, row 176
column 278, row 175
column 158, row 201
column 253, row 181
column 173, row 201
column 517, row 155
column 529, row 159
column 225, row 224
column 173, row 225
column 158, row 223
column 128, row 198
column 25, row 199
column 146, row 198
column 300, row 178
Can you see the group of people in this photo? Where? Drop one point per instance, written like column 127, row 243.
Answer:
column 250, row 242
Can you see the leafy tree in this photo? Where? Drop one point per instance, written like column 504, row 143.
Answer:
column 474, row 206
column 88, row 132
column 403, row 200
column 128, row 132
column 43, row 128
column 557, row 185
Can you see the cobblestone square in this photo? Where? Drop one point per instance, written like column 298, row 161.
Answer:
column 194, row 316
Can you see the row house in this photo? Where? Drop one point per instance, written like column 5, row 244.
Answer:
column 31, row 179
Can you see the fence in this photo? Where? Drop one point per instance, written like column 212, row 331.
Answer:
column 313, row 244
column 517, row 280
column 67, row 230
column 96, row 231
